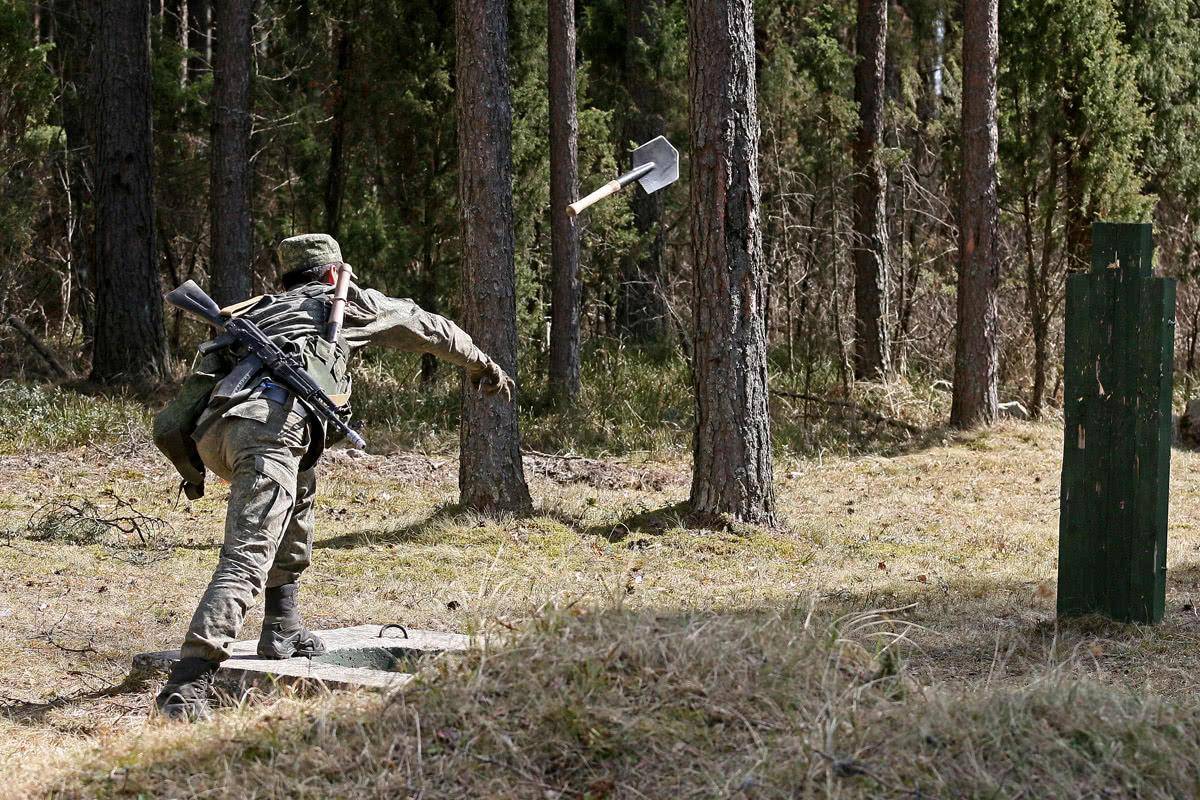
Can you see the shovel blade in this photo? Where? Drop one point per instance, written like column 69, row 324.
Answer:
column 666, row 164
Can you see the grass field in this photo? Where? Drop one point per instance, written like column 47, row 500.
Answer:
column 895, row 638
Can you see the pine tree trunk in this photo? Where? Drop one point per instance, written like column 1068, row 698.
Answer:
column 1037, row 396
column 871, row 351
column 130, row 343
column 641, row 313
column 232, row 231
column 335, row 179
column 732, row 471
column 491, row 477
column 976, row 354
column 75, row 31
column 564, row 188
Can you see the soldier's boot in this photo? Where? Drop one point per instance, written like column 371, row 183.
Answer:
column 187, row 692
column 283, row 634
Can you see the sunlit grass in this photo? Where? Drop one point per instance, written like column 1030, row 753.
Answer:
column 38, row 418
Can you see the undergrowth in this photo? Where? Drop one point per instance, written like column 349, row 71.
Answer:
column 632, row 401
column 46, row 417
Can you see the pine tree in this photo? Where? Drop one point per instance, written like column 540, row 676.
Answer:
column 871, row 348
column 564, row 188
column 641, row 312
column 232, row 173
column 732, row 471
column 1070, row 128
column 977, row 343
column 130, row 343
column 491, row 476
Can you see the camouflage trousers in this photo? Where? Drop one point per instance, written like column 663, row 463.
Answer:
column 257, row 447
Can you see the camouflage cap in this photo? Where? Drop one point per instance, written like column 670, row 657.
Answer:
column 307, row 251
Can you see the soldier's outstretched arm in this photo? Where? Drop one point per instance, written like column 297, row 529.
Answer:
column 376, row 319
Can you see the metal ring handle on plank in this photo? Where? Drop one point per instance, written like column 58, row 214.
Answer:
column 385, row 628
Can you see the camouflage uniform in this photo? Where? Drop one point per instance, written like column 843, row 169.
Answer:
column 260, row 443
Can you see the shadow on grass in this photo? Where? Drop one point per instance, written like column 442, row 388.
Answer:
column 27, row 712
column 655, row 522
column 403, row 534
column 982, row 627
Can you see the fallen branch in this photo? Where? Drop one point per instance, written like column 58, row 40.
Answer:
column 857, row 409
column 40, row 347
column 525, row 451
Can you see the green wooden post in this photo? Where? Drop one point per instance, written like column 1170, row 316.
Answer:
column 1120, row 345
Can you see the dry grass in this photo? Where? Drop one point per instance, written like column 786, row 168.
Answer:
column 631, row 704
column 688, row 662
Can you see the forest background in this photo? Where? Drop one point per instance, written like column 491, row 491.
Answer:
column 353, row 133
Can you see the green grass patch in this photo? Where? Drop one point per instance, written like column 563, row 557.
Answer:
column 39, row 417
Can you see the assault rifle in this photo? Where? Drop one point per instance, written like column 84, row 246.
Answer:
column 283, row 368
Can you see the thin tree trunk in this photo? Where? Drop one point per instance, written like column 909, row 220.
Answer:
column 732, row 472
column 130, row 343
column 491, row 476
column 976, row 353
column 335, row 179
column 641, row 313
column 175, row 25
column 871, row 351
column 182, row 37
column 232, row 230
column 564, row 187
column 199, row 37
column 428, row 279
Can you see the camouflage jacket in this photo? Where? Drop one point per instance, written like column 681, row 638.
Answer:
column 294, row 320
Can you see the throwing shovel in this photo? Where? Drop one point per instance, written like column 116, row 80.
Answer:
column 655, row 165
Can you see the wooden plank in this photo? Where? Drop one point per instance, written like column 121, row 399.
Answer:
column 1117, row 442
column 1073, row 590
column 1127, row 244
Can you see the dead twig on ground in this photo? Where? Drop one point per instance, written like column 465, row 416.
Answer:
column 130, row 535
column 48, row 637
column 572, row 457
column 81, row 521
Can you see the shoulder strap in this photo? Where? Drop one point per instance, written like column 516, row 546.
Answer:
column 237, row 309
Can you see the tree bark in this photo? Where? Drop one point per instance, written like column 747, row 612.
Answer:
column 130, row 343
column 231, row 227
column 976, row 354
column 732, row 472
column 871, row 350
column 335, row 180
column 491, row 476
column 641, row 313
column 564, row 188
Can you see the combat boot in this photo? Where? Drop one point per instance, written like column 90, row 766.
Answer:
column 186, row 694
column 283, row 634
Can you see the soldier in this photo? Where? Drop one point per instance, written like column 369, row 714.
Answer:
column 266, row 444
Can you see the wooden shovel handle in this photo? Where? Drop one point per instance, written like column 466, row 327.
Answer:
column 612, row 187
column 338, row 311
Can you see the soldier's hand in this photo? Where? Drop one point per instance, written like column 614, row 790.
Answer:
column 494, row 380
